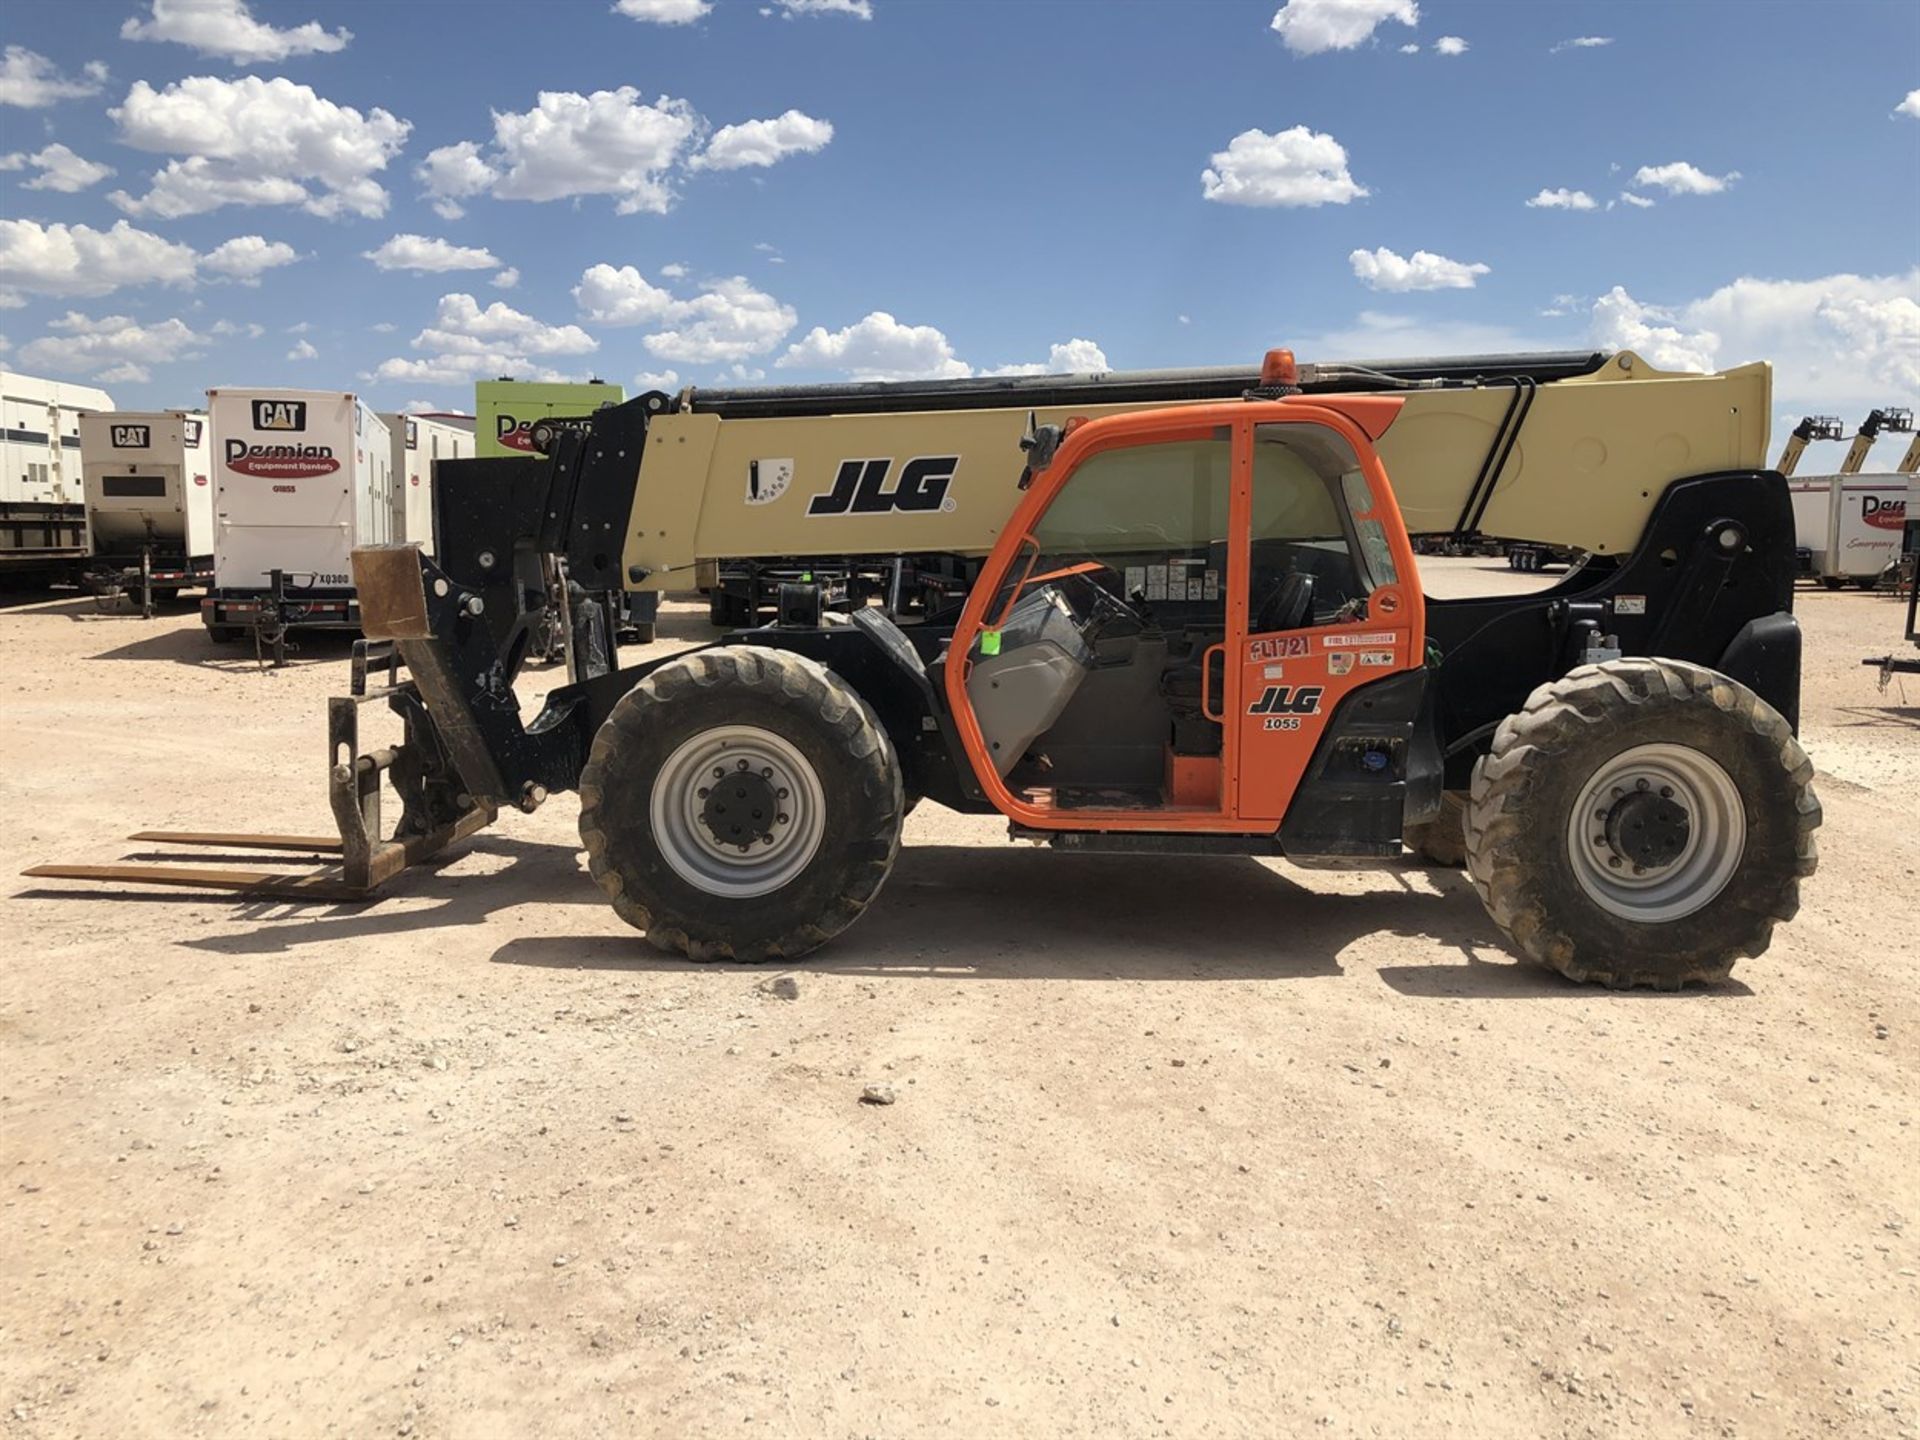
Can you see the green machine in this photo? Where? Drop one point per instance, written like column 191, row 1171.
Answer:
column 505, row 410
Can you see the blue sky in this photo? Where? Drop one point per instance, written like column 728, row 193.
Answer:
column 792, row 190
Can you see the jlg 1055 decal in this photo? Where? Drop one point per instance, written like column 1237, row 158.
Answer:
column 1283, row 705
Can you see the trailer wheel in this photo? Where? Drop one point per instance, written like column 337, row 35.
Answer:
column 1442, row 840
column 1642, row 822
column 741, row 803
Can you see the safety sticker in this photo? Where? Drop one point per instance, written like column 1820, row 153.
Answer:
column 1629, row 604
column 1274, row 672
column 1340, row 662
column 1376, row 657
column 1353, row 642
column 1136, row 579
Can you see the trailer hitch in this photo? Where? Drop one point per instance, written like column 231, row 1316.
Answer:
column 353, row 866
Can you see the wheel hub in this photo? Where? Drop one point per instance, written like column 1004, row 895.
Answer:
column 1656, row 832
column 1648, row 829
column 740, row 806
column 737, row 811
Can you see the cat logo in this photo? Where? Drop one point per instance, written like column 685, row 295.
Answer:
column 279, row 414
column 1285, row 700
column 130, row 437
column 860, row 487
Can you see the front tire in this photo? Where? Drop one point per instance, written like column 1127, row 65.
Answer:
column 741, row 803
column 1642, row 822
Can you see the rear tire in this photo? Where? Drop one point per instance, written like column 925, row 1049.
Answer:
column 1442, row 840
column 1633, row 760
column 822, row 818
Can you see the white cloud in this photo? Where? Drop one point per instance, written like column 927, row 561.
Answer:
column 606, row 143
column 1581, row 42
column 1382, row 269
column 609, row 296
column 226, row 28
column 30, row 80
column 425, row 254
column 466, row 342
column 461, row 325
column 1839, row 340
column 1312, row 27
column 1639, row 202
column 60, row 169
column 229, row 328
column 1680, row 178
column 114, row 348
column 878, row 348
column 463, row 369
column 1378, row 335
column 302, row 350
column 667, row 380
column 859, row 9
column 1074, row 357
column 454, row 173
column 246, row 257
column 506, row 279
column 1450, row 45
column 1622, row 323
column 665, row 12
column 763, row 142
column 300, row 329
column 78, row 260
column 1910, row 105
column 729, row 320
column 1410, row 49
column 256, row 142
column 677, row 271
column 1561, row 199
column 1295, row 167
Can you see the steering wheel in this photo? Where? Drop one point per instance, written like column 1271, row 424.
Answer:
column 1095, row 605
column 1288, row 606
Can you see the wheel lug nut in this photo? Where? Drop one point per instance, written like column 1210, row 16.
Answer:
column 1641, row 785
column 1666, row 792
column 1614, row 861
column 703, row 792
column 780, row 794
column 718, row 773
column 1639, row 869
column 781, row 819
column 741, row 766
column 766, row 772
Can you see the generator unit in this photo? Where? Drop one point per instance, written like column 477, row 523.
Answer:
column 418, row 441
column 301, row 478
column 148, row 477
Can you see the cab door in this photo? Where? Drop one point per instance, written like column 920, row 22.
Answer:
column 1332, row 601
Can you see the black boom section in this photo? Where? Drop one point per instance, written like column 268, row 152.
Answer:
column 1711, row 581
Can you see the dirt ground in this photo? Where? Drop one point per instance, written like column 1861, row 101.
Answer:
column 1181, row 1147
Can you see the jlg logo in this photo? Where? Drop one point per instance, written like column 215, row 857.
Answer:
column 129, row 437
column 1285, row 700
column 861, row 487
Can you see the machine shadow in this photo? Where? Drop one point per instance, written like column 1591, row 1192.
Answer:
column 194, row 647
column 1036, row 915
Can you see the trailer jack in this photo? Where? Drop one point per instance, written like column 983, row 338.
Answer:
column 352, row 866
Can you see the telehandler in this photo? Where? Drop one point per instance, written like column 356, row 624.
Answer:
column 1188, row 620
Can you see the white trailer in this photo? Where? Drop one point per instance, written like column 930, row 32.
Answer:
column 1848, row 527
column 149, row 486
column 301, row 477
column 43, row 520
column 418, row 441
